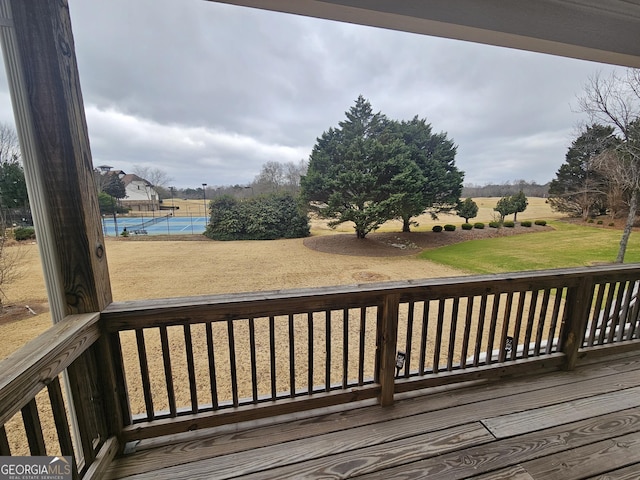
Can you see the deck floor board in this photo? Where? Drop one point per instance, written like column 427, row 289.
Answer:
column 584, row 423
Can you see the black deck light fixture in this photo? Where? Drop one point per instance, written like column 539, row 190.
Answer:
column 400, row 358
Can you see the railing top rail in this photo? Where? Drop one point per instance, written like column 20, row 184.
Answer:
column 149, row 313
column 31, row 368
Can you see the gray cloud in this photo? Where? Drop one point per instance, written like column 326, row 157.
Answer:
column 209, row 92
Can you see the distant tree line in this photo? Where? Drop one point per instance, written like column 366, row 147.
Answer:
column 530, row 189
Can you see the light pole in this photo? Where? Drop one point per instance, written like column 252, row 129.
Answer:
column 204, row 199
column 173, row 207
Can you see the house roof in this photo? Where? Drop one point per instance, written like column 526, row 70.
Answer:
column 605, row 31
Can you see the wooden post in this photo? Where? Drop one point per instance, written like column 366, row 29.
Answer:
column 387, row 340
column 576, row 317
column 43, row 79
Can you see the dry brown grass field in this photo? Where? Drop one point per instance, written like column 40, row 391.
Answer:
column 145, row 269
column 141, row 268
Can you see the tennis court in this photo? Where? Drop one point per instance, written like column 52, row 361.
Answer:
column 159, row 225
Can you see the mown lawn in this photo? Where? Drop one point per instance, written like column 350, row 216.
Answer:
column 566, row 246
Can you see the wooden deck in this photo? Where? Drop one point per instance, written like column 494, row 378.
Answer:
column 560, row 425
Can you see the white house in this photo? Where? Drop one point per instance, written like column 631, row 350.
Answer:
column 140, row 194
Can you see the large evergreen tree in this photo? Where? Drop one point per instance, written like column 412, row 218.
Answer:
column 359, row 172
column 439, row 188
column 371, row 169
column 579, row 187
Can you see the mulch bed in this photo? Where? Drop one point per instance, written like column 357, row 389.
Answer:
column 396, row 244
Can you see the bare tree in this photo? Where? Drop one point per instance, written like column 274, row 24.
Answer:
column 11, row 186
column 155, row 176
column 615, row 101
column 9, row 146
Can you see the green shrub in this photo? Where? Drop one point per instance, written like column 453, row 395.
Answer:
column 449, row 228
column 612, row 224
column 600, row 222
column 436, row 228
column 266, row 217
column 478, row 225
column 467, row 226
column 542, row 223
column 24, row 233
column 526, row 223
column 590, row 220
column 494, row 224
column 509, row 223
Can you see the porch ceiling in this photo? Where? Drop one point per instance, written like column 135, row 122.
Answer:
column 605, row 31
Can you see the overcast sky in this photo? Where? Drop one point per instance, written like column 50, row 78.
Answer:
column 210, row 92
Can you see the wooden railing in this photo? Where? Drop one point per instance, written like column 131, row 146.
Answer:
column 191, row 363
column 38, row 423
column 145, row 369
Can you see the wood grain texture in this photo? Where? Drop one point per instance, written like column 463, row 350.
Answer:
column 61, row 156
column 151, row 313
column 60, row 417
column 98, row 469
column 505, row 453
column 33, row 428
column 515, row 472
column 187, row 423
column 588, row 460
column 566, row 412
column 28, row 370
column 627, row 473
column 388, row 338
column 333, row 457
column 437, row 411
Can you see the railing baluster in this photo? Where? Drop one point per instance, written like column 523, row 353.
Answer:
column 554, row 319
column 606, row 313
column 191, row 368
column 492, row 328
column 166, row 358
column 213, row 380
column 506, row 320
column 518, row 327
column 232, row 362
column 310, row 337
column 345, row 347
column 272, row 355
column 60, row 417
column 533, row 302
column 33, row 429
column 292, row 359
column 480, row 330
column 423, row 336
column 452, row 333
column 407, row 348
column 615, row 319
column 634, row 312
column 327, row 348
column 595, row 317
column 467, row 332
column 252, row 351
column 5, row 449
column 626, row 311
column 144, row 374
column 438, row 343
column 541, row 321
column 363, row 329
